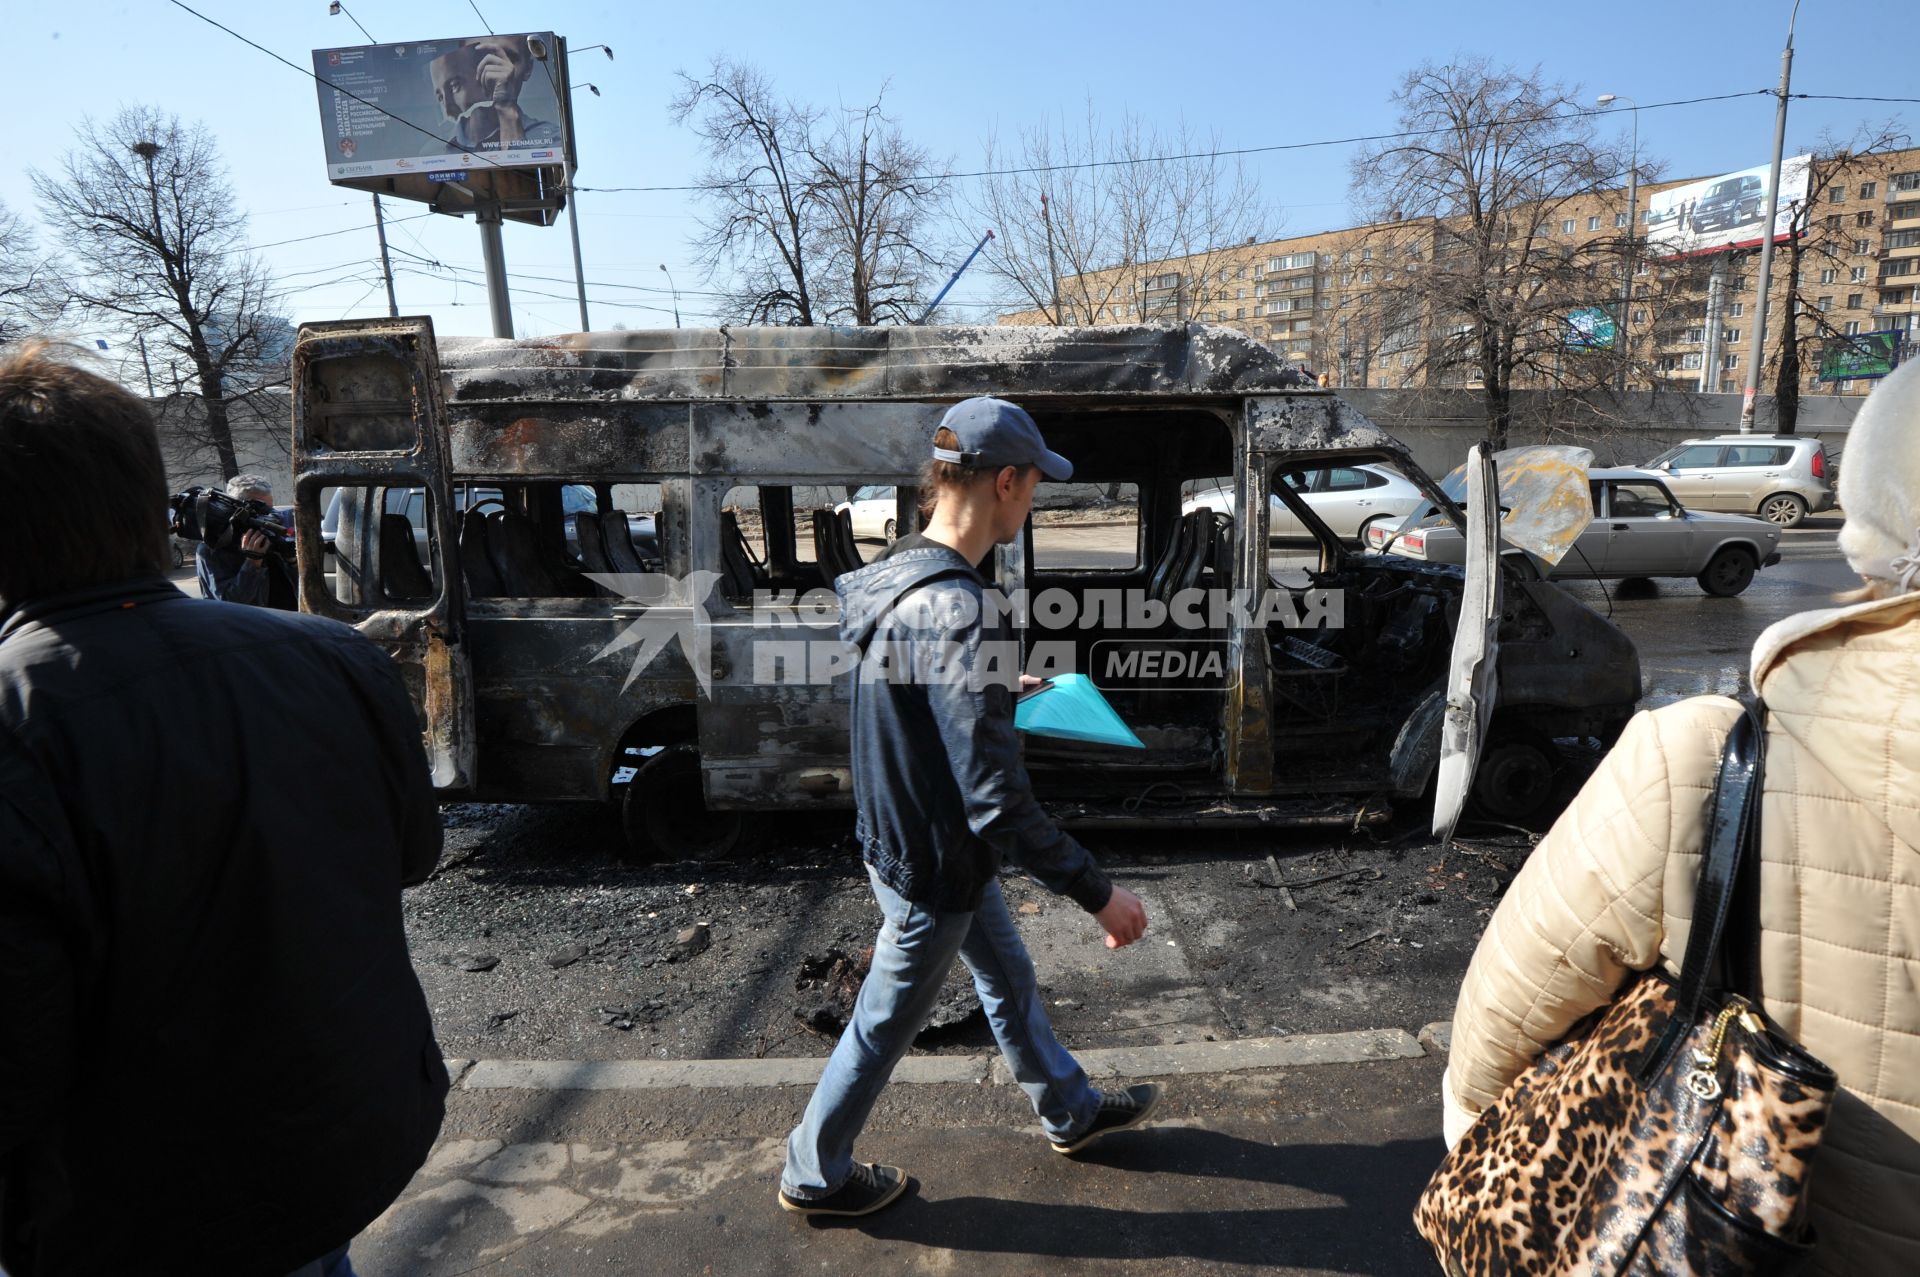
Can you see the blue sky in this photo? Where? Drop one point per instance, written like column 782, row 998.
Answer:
column 1255, row 74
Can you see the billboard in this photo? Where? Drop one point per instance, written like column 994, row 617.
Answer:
column 450, row 122
column 1862, row 355
column 1724, row 212
column 1589, row 328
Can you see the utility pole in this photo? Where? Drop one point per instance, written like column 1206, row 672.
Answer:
column 1053, row 271
column 675, row 290
column 144, row 365
column 1766, row 240
column 1716, row 307
column 386, row 264
column 1625, row 351
column 941, row 295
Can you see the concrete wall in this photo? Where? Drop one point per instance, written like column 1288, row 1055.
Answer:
column 1438, row 426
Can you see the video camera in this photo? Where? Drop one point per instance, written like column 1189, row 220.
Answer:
column 210, row 515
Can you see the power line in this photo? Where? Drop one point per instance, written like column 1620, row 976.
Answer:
column 350, row 230
column 1224, row 153
column 480, row 15
column 1844, row 97
column 356, row 22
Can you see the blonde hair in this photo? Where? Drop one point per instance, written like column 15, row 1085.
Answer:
column 938, row 476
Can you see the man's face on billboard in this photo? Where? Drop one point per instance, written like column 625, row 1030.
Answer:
column 484, row 71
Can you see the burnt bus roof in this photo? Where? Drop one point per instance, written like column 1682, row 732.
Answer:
column 821, row 364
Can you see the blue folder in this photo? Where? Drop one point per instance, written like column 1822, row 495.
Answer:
column 1071, row 707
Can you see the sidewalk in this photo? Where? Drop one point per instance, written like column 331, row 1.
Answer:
column 1312, row 1167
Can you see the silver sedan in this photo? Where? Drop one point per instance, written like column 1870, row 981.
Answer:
column 1350, row 500
column 1638, row 530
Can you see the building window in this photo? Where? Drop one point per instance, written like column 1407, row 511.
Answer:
column 1260, row 290
column 1239, row 312
column 1833, row 221
column 1169, row 280
column 1825, row 303
column 1866, row 190
column 1646, row 216
column 1240, row 294
column 1729, row 336
column 1851, row 327
column 1829, row 276
column 1863, row 219
column 1736, row 309
column 1693, row 359
column 1838, row 194
column 1730, row 362
column 1863, row 246
column 1854, row 300
column 1694, row 335
column 1366, row 277
column 1593, row 223
column 1366, row 254
column 1642, row 267
column 1566, row 226
column 1901, row 239
column 1741, row 283
column 1639, row 317
column 1858, row 275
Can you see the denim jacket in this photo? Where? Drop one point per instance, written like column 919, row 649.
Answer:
column 943, row 797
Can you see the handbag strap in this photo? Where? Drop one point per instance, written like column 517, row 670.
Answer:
column 1727, row 900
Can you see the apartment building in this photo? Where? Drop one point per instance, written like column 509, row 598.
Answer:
column 1317, row 299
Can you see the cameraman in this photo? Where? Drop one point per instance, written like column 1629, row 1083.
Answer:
column 255, row 573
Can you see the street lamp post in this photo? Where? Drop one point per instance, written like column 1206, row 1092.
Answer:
column 1633, row 216
column 674, row 289
column 1766, row 238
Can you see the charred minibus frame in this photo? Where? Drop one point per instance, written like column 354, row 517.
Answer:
column 519, row 632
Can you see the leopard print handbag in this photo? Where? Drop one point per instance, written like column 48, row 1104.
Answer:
column 1671, row 1133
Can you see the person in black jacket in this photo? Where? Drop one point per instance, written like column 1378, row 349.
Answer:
column 214, row 1054
column 942, row 799
column 251, row 572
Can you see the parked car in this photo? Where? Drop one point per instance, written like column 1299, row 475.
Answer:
column 1638, row 530
column 1348, row 499
column 1734, row 201
column 1781, row 478
column 874, row 511
column 411, row 504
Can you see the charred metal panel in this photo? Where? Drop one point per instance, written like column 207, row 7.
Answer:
column 936, row 363
column 1311, row 422
column 568, row 440
column 858, row 442
column 1248, row 723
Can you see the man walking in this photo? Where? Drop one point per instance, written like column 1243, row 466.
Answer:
column 214, row 1054
column 942, row 798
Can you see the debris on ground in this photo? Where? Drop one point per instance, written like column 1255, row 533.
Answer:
column 829, row 985
column 476, row 962
column 566, row 955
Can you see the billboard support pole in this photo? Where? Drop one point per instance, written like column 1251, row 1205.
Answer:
column 494, row 254
column 1759, row 347
column 386, row 263
column 579, row 272
column 1716, row 307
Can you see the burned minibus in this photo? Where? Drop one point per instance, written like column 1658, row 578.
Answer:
column 603, row 563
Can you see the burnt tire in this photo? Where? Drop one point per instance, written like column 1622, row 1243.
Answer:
column 1784, row 510
column 1514, row 782
column 664, row 813
column 1728, row 572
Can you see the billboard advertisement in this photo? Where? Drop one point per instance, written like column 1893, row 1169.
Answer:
column 1862, row 355
column 1724, row 212
column 448, row 120
column 1589, row 328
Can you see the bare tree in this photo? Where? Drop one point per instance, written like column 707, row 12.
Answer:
column 759, row 218
column 24, row 294
column 1822, row 248
column 1465, row 202
column 154, row 246
column 872, row 199
column 1098, row 224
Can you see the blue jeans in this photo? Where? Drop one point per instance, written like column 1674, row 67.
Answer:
column 911, row 959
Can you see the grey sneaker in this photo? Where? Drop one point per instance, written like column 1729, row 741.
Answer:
column 871, row 1187
column 1119, row 1111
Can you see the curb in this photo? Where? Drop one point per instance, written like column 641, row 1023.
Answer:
column 1366, row 1046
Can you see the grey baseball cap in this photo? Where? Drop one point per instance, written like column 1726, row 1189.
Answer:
column 993, row 433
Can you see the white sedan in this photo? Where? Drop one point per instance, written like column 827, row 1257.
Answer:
column 1638, row 530
column 1350, row 500
column 874, row 512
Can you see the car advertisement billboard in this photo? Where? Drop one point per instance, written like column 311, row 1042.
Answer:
column 1590, row 328
column 450, row 121
column 1861, row 355
column 1719, row 213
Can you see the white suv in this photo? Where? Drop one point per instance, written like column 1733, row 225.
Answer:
column 1781, row 478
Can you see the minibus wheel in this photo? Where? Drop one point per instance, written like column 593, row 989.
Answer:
column 664, row 813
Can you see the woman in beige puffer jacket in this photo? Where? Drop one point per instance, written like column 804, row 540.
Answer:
column 1610, row 890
